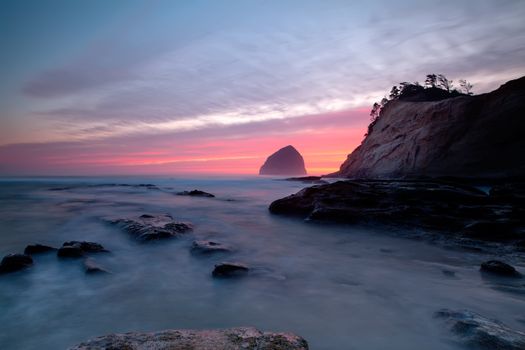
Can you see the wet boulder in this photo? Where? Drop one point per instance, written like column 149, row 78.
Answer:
column 196, row 193
column 77, row 249
column 147, row 227
column 209, row 247
column 242, row 338
column 92, row 267
column 38, row 249
column 229, row 269
column 15, row 262
column 480, row 332
column 500, row 268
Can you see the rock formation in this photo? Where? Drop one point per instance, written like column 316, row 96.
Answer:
column 467, row 136
column 245, row 338
column 286, row 161
column 478, row 332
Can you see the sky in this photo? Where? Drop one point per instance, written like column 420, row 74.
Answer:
column 185, row 87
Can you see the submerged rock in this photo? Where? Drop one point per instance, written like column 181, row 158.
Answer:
column 15, row 262
column 196, row 193
column 286, row 161
column 153, row 227
column 92, row 267
column 308, row 179
column 480, row 332
column 499, row 268
column 38, row 249
column 242, row 338
column 230, row 269
column 208, row 247
column 77, row 249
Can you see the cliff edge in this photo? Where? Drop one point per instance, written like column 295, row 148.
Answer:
column 479, row 136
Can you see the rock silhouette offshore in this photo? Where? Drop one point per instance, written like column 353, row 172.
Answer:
column 286, row 161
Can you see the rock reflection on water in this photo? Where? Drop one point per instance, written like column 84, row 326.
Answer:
column 340, row 287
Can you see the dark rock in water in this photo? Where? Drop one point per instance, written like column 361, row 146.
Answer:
column 208, row 247
column 153, row 227
column 242, row 338
column 479, row 332
column 442, row 206
column 77, row 249
column 499, row 268
column 308, row 179
column 37, row 249
column 70, row 252
column 468, row 136
column 88, row 247
column 196, row 193
column 92, row 267
column 286, row 161
column 15, row 262
column 229, row 269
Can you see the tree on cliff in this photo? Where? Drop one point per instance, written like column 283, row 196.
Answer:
column 437, row 87
column 466, row 86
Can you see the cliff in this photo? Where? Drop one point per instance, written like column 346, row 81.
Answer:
column 286, row 161
column 479, row 136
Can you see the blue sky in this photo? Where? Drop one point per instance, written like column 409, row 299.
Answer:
column 79, row 71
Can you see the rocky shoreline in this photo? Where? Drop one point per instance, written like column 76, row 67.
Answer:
column 454, row 211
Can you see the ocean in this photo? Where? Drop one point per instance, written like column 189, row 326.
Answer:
column 339, row 286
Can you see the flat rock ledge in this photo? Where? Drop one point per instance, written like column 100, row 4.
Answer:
column 480, row 332
column 245, row 338
column 148, row 227
column 438, row 205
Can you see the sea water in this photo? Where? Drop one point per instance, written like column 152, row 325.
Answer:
column 340, row 287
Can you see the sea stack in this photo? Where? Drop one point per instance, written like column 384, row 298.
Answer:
column 286, row 161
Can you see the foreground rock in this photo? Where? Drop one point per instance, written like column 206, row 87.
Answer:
column 209, row 247
column 224, row 339
column 148, row 227
column 77, row 249
column 38, row 249
column 434, row 204
column 286, row 161
column 468, row 136
column 91, row 267
column 497, row 267
column 482, row 333
column 196, row 193
column 15, row 262
column 230, row 269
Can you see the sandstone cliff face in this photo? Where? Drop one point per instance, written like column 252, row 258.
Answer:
column 468, row 136
column 286, row 161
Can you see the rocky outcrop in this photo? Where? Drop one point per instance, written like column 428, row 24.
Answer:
column 148, row 227
column 439, row 205
column 317, row 180
column 230, row 269
column 38, row 249
column 77, row 249
column 286, row 161
column 479, row 332
column 468, row 136
column 500, row 268
column 245, row 338
column 209, row 247
column 196, row 193
column 15, row 262
column 92, row 267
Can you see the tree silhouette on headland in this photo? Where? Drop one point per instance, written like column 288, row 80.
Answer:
column 436, row 87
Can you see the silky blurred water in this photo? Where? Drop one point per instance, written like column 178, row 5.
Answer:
column 340, row 287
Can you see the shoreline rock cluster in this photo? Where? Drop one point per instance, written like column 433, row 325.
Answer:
column 450, row 209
